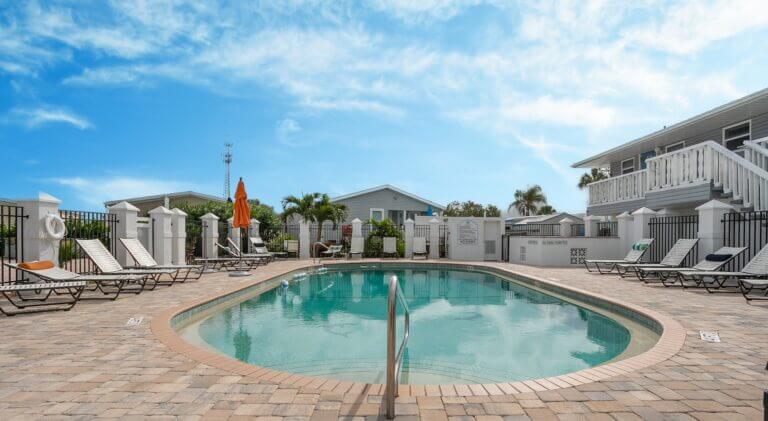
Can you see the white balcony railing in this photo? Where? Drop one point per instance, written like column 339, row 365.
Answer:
column 618, row 189
column 704, row 162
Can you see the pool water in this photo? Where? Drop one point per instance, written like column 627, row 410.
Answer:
column 466, row 327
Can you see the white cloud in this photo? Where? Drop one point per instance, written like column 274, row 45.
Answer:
column 569, row 112
column 37, row 117
column 286, row 129
column 97, row 190
column 422, row 10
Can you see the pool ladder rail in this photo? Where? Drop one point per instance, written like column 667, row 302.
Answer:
column 394, row 361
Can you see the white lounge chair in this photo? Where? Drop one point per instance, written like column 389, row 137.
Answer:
column 144, row 260
column 356, row 246
column 712, row 281
column 419, row 247
column 108, row 265
column 389, row 247
column 235, row 250
column 332, row 251
column 636, row 253
column 750, row 287
column 292, row 247
column 260, row 248
column 110, row 286
column 669, row 276
column 674, row 258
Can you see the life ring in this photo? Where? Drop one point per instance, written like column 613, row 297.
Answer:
column 54, row 226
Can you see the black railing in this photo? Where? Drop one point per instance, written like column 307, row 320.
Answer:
column 85, row 225
column 11, row 241
column 537, row 230
column 329, row 233
column 745, row 229
column 505, row 247
column 608, row 229
column 443, row 235
column 666, row 230
column 195, row 230
column 577, row 230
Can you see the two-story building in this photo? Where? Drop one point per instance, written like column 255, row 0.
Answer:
column 719, row 154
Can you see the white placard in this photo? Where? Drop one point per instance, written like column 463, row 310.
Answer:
column 467, row 233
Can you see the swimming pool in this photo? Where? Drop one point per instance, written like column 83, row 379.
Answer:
column 467, row 326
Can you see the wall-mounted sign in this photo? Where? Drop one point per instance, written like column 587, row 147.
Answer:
column 467, row 233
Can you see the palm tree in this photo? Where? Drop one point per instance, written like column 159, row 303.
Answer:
column 546, row 210
column 325, row 210
column 303, row 206
column 527, row 201
column 596, row 174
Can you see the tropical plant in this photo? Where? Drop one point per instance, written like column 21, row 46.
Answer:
column 546, row 210
column 269, row 222
column 470, row 208
column 374, row 243
column 325, row 210
column 596, row 174
column 527, row 201
column 303, row 206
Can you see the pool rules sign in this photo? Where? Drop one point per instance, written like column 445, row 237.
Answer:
column 467, row 234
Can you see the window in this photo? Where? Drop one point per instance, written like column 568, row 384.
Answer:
column 412, row 214
column 396, row 216
column 377, row 214
column 645, row 156
column 673, row 147
column 735, row 135
column 627, row 165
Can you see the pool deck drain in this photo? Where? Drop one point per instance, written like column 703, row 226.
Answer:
column 84, row 363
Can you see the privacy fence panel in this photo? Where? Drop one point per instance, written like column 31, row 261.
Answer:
column 666, row 230
column 11, row 242
column 86, row 226
column 745, row 229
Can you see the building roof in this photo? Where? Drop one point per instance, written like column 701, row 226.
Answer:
column 7, row 201
column 540, row 219
column 163, row 196
column 732, row 112
column 389, row 187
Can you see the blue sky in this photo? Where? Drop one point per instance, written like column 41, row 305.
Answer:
column 451, row 100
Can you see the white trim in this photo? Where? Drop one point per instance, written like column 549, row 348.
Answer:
column 390, row 187
column 621, row 166
column 372, row 210
column 666, row 148
column 725, row 141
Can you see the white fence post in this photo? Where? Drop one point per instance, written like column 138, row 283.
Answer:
column 253, row 231
column 210, row 235
column 304, row 244
column 434, row 238
column 626, row 230
column 565, row 226
column 642, row 230
column 409, row 231
column 357, row 228
column 161, row 232
column 36, row 246
column 591, row 227
column 127, row 228
column 232, row 232
column 711, row 232
column 179, row 234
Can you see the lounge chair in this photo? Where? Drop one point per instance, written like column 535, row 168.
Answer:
column 749, row 288
column 39, row 303
column 111, row 286
column 669, row 276
column 332, row 251
column 260, row 248
column 389, row 247
column 674, row 258
column 236, row 252
column 292, row 247
column 636, row 253
column 144, row 260
column 232, row 260
column 712, row 281
column 356, row 246
column 108, row 265
column 419, row 247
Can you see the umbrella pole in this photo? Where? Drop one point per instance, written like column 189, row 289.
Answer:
column 240, row 270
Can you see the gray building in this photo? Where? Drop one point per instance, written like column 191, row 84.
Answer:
column 387, row 202
column 672, row 168
column 169, row 200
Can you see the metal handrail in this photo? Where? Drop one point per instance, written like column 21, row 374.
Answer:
column 394, row 361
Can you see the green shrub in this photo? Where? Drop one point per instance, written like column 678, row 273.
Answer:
column 373, row 246
column 277, row 242
column 67, row 252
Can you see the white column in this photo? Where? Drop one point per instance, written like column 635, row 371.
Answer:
column 161, row 235
column 357, row 227
column 36, row 245
column 304, row 242
column 232, row 232
column 409, row 231
column 565, row 226
column 253, row 231
column 591, row 225
column 434, row 238
column 626, row 230
column 126, row 215
column 179, row 236
column 210, row 235
column 711, row 232
column 642, row 217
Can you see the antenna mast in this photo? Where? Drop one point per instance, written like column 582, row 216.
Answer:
column 227, row 157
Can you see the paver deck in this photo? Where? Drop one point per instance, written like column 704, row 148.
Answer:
column 87, row 363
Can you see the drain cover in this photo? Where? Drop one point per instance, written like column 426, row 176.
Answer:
column 134, row 321
column 709, row 336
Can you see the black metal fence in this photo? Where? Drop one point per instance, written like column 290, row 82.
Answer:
column 11, row 242
column 745, row 229
column 328, row 234
column 505, row 247
column 86, row 226
column 540, row 230
column 608, row 229
column 443, row 233
column 666, row 230
column 195, row 236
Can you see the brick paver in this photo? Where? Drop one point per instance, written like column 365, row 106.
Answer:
column 87, row 363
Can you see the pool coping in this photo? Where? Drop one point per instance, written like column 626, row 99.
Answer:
column 670, row 342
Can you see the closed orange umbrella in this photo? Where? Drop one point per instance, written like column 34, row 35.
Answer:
column 242, row 213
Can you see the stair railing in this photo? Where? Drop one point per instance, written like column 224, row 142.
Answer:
column 756, row 152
